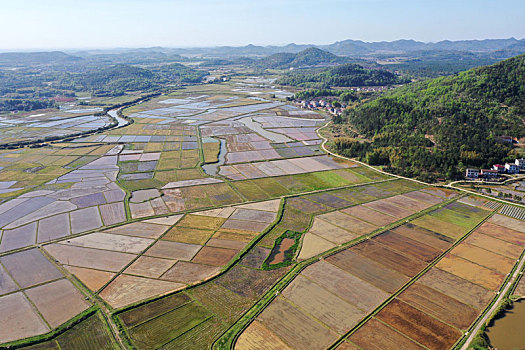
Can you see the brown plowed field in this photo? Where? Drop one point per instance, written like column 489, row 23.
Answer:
column 383, row 255
column 457, row 288
column 346, row 286
column 173, row 250
column 249, row 283
column 494, row 245
column 313, row 245
column 225, row 243
column 147, row 266
column 375, row 335
column 331, row 232
column 93, row 279
column 439, row 305
column 372, row 216
column 389, row 208
column 187, row 272
column 214, row 256
column 347, row 346
column 257, row 336
column 348, row 222
column 484, row 258
column 425, row 236
column 471, row 272
column 334, row 312
column 441, row 192
column 294, row 327
column 126, row 289
column 419, row 326
column 424, row 197
column 368, row 270
column 407, row 202
column 408, row 246
column 504, row 233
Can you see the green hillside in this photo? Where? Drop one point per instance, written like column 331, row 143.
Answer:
column 345, row 75
column 306, row 58
column 436, row 128
column 116, row 79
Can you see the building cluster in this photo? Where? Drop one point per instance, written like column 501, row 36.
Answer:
column 496, row 171
column 370, row 88
column 321, row 105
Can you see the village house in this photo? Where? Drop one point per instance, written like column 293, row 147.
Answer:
column 472, row 173
column 512, row 168
column 500, row 168
column 520, row 163
column 489, row 174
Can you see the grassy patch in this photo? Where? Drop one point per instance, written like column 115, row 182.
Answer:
column 160, row 330
column 148, row 311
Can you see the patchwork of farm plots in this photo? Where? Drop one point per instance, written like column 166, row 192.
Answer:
column 65, row 196
column 330, row 298
column 47, row 124
column 179, row 252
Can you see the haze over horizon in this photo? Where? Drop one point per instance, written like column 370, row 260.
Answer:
column 57, row 24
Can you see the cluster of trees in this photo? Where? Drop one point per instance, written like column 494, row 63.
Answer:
column 339, row 95
column 117, row 79
column 29, row 88
column 434, row 68
column 11, row 105
column 345, row 75
column 437, row 127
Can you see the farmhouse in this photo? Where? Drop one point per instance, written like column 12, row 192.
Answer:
column 500, row 168
column 489, row 174
column 472, row 173
column 512, row 168
column 520, row 163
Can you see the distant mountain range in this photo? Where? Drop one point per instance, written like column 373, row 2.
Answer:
column 284, row 55
column 355, row 48
column 28, row 58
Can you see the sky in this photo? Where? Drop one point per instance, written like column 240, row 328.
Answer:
column 73, row 24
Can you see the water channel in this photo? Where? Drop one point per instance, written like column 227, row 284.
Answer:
column 213, row 168
column 121, row 121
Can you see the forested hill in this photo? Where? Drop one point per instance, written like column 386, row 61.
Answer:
column 306, row 58
column 116, row 79
column 438, row 127
column 344, row 76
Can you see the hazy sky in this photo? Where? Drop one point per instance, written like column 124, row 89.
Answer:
column 58, row 24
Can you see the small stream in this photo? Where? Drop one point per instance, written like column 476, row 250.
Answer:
column 213, row 168
column 121, row 121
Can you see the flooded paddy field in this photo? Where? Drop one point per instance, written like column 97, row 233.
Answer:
column 49, row 124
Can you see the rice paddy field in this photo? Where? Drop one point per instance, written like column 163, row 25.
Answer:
column 215, row 219
column 50, row 123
